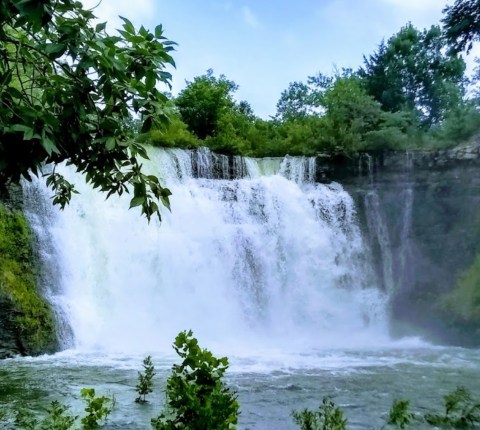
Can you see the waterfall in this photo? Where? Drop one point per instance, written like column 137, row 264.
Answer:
column 253, row 254
column 392, row 244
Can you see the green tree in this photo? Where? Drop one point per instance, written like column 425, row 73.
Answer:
column 234, row 128
column 349, row 114
column 296, row 102
column 413, row 71
column 197, row 398
column 203, row 101
column 67, row 93
column 461, row 24
column 145, row 380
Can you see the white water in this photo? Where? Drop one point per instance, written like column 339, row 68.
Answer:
column 266, row 262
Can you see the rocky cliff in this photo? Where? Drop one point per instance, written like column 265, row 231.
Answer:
column 27, row 324
column 420, row 213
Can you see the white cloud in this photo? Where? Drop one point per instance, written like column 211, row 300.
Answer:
column 140, row 12
column 250, row 17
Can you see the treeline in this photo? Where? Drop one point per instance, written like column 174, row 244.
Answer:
column 411, row 93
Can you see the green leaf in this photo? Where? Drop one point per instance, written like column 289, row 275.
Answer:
column 55, row 48
column 111, row 143
column 128, row 26
column 136, row 201
column 158, row 31
column 100, row 27
column 147, row 125
column 49, row 145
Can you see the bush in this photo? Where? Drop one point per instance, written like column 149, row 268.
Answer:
column 96, row 409
column 461, row 411
column 145, row 380
column 328, row 417
column 174, row 135
column 197, row 398
column 400, row 415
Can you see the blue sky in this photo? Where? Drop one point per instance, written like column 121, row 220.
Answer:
column 263, row 45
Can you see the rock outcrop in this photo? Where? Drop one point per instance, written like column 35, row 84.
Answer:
column 27, row 325
column 420, row 213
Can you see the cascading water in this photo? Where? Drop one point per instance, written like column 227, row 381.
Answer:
column 269, row 259
column 263, row 264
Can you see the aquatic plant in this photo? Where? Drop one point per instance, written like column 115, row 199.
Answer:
column 145, row 380
column 328, row 417
column 197, row 398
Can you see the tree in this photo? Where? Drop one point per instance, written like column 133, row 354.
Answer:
column 462, row 24
column 413, row 71
column 203, row 101
column 67, row 93
column 296, row 102
column 349, row 114
column 145, row 380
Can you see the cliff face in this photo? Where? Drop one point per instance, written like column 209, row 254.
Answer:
column 420, row 213
column 27, row 324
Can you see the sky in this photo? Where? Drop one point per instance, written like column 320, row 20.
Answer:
column 264, row 45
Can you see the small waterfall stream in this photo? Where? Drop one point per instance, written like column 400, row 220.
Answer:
column 254, row 254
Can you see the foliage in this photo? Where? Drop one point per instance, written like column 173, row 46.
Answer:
column 413, row 71
column 173, row 135
column 461, row 24
column 461, row 411
column 96, row 408
column 464, row 300
column 400, row 415
column 18, row 275
column 68, row 91
column 197, row 398
column 328, row 417
column 460, row 124
column 296, row 102
column 235, row 128
column 145, row 380
column 203, row 101
column 350, row 113
column 57, row 418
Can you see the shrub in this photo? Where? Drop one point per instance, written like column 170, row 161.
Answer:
column 400, row 415
column 461, row 411
column 197, row 398
column 96, row 408
column 328, row 417
column 145, row 380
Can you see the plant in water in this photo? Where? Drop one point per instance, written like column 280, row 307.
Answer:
column 57, row 419
column 461, row 411
column 328, row 417
column 96, row 408
column 400, row 415
column 145, row 380
column 26, row 420
column 196, row 396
